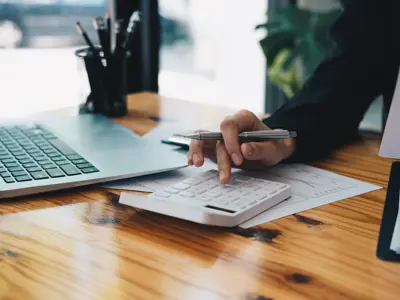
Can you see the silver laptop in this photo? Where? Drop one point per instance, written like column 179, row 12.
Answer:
column 54, row 153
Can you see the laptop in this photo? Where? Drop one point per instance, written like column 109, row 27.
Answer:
column 61, row 152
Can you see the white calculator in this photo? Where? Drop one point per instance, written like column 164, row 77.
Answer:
column 203, row 199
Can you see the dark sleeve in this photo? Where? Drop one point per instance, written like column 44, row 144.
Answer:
column 326, row 113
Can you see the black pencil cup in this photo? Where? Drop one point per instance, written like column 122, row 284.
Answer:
column 106, row 77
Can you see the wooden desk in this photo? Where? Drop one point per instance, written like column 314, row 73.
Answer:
column 80, row 244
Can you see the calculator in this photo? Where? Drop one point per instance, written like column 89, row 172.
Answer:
column 203, row 199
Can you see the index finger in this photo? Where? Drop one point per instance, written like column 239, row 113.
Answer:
column 232, row 126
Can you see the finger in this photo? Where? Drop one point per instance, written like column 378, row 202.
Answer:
column 196, row 154
column 224, row 163
column 232, row 126
column 267, row 153
column 198, row 150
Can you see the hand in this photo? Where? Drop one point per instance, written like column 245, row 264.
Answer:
column 228, row 153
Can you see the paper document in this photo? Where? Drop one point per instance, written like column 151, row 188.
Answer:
column 390, row 145
column 311, row 187
column 395, row 244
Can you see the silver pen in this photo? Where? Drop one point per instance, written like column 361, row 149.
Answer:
column 262, row 135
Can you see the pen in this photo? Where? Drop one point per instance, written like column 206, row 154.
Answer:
column 130, row 30
column 108, row 31
column 100, row 27
column 263, row 135
column 83, row 33
column 119, row 35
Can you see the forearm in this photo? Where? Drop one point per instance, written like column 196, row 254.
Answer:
column 327, row 112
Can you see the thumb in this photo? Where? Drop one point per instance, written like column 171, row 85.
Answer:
column 269, row 153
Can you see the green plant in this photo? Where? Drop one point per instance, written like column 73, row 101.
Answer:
column 296, row 42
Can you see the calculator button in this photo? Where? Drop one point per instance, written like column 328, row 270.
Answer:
column 192, row 181
column 244, row 191
column 170, row 190
column 210, row 184
column 224, row 188
column 207, row 175
column 197, row 190
column 232, row 196
column 161, row 195
column 222, row 201
column 234, row 183
column 241, row 178
column 258, row 195
column 186, row 194
column 204, row 198
column 181, row 186
column 214, row 193
column 253, row 186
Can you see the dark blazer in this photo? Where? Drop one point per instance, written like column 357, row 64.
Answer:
column 363, row 64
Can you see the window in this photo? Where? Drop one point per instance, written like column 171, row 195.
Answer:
column 210, row 52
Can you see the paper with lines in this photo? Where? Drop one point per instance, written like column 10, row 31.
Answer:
column 311, row 187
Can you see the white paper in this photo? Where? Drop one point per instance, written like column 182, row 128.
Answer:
column 311, row 187
column 390, row 145
column 395, row 243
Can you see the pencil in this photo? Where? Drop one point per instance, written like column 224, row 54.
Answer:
column 83, row 33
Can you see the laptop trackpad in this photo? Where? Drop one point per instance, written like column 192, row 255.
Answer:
column 108, row 140
column 93, row 133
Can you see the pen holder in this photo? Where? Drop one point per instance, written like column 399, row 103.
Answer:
column 106, row 79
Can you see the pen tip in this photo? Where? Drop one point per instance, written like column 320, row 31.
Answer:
column 135, row 17
column 98, row 23
column 79, row 27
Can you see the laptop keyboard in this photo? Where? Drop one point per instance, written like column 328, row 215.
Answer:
column 33, row 153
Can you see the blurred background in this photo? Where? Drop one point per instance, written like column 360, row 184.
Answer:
column 236, row 53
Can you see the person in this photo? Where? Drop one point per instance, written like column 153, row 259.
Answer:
column 362, row 65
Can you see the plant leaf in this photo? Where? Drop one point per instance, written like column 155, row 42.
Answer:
column 273, row 43
column 269, row 25
column 299, row 50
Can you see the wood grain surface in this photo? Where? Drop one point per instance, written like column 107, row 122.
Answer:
column 82, row 244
